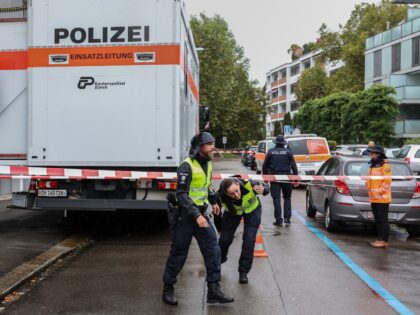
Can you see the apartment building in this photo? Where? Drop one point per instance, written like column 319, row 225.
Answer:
column 393, row 58
column 281, row 83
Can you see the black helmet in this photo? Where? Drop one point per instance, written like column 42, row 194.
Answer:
column 280, row 140
column 198, row 140
column 377, row 149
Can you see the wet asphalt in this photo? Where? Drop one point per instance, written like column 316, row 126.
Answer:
column 121, row 273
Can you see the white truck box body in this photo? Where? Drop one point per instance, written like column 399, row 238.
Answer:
column 142, row 118
column 13, row 91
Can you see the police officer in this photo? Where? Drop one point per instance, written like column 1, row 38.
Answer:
column 280, row 161
column 380, row 194
column 193, row 193
column 239, row 199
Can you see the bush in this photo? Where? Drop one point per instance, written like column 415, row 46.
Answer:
column 412, row 141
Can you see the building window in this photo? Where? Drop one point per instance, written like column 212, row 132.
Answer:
column 294, row 106
column 295, row 70
column 283, row 74
column 293, row 88
column 283, row 91
column 306, row 64
column 377, row 63
column 275, row 77
column 416, row 51
column 274, row 93
column 396, row 57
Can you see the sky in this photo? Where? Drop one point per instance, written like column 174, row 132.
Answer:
column 267, row 28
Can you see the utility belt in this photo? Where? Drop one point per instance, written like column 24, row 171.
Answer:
column 175, row 210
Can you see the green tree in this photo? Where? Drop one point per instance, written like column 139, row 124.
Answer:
column 288, row 121
column 352, row 117
column 373, row 115
column 278, row 128
column 236, row 103
column 348, row 44
column 312, row 84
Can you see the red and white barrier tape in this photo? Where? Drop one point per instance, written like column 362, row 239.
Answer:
column 25, row 172
column 233, row 151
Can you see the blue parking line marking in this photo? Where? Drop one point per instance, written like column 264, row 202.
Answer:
column 366, row 278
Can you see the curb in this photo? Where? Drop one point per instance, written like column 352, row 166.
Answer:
column 23, row 273
column 5, row 197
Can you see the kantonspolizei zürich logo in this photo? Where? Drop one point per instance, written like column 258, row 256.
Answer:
column 85, row 82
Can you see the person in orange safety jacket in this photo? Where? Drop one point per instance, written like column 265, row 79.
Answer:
column 380, row 195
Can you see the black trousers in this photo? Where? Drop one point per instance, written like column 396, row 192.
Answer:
column 380, row 213
column 230, row 223
column 276, row 190
column 182, row 234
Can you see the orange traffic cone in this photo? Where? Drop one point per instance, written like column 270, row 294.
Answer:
column 259, row 250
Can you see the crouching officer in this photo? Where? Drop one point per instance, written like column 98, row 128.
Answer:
column 239, row 199
column 193, row 193
column 280, row 161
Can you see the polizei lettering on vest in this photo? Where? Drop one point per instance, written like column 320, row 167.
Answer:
column 113, row 34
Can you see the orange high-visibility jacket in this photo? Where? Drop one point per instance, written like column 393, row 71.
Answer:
column 380, row 189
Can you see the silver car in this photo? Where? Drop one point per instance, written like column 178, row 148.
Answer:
column 348, row 200
column 410, row 153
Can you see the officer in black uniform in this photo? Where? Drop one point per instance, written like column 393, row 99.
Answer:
column 280, row 161
column 239, row 199
column 193, row 194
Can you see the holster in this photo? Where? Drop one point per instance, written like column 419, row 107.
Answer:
column 174, row 215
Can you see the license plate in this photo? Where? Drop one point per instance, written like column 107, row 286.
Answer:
column 391, row 215
column 52, row 193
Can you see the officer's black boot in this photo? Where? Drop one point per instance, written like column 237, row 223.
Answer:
column 168, row 295
column 215, row 294
column 243, row 277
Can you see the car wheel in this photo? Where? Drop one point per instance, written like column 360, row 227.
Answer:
column 310, row 210
column 257, row 171
column 253, row 167
column 330, row 223
column 413, row 231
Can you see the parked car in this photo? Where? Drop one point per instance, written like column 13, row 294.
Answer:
column 350, row 149
column 248, row 157
column 348, row 200
column 410, row 153
column 309, row 150
column 392, row 152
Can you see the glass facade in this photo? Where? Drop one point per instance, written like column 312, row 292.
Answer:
column 393, row 58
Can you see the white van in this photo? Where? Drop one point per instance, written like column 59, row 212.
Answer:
column 309, row 150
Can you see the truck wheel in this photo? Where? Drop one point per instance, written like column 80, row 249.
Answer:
column 310, row 210
column 330, row 223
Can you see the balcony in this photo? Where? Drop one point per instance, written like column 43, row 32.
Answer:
column 394, row 33
column 408, row 93
column 277, row 116
column 279, row 99
column 278, row 82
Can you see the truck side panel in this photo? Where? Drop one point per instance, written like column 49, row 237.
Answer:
column 104, row 105
column 13, row 91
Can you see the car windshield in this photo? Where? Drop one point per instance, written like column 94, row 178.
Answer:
column 270, row 145
column 360, row 168
column 253, row 149
column 308, row 146
column 403, row 152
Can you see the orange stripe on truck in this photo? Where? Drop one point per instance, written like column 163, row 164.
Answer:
column 311, row 158
column 13, row 60
column 103, row 56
